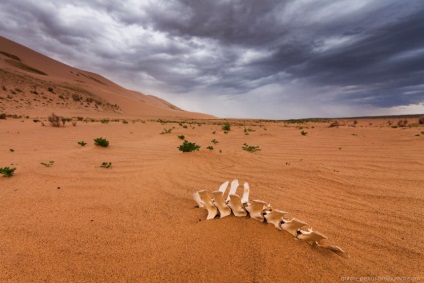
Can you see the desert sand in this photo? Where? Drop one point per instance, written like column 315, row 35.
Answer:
column 70, row 220
column 137, row 222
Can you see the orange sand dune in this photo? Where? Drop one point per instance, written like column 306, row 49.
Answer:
column 360, row 186
column 36, row 85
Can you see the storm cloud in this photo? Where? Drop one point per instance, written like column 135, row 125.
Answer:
column 241, row 58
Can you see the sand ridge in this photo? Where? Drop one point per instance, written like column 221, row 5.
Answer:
column 137, row 222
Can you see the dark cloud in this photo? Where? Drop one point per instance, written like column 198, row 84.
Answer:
column 319, row 57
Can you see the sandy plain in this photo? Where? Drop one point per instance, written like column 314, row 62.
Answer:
column 360, row 186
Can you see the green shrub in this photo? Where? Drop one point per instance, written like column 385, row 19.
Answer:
column 47, row 164
column 304, row 133
column 106, row 164
column 250, row 148
column 182, row 137
column 101, row 142
column 6, row 171
column 124, row 122
column 226, row 127
column 2, row 116
column 248, row 130
column 82, row 143
column 210, row 147
column 36, row 120
column 188, row 147
column 214, row 141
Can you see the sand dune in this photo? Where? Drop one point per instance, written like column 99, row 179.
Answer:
column 33, row 84
column 137, row 222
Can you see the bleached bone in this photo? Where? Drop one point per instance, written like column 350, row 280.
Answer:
column 245, row 196
column 256, row 208
column 332, row 248
column 197, row 199
column 223, row 187
column 236, row 206
column 293, row 225
column 219, row 202
column 275, row 217
column 233, row 189
column 314, row 238
column 310, row 236
column 208, row 205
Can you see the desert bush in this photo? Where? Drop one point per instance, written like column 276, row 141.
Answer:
column 182, row 137
column 304, row 133
column 54, row 120
column 101, row 142
column 210, row 147
column 6, row 171
column 421, row 120
column 76, row 97
column 402, row 123
column 82, row 143
column 248, row 130
column 214, row 141
column 74, row 123
column 165, row 131
column 124, row 122
column 250, row 148
column 226, row 127
column 49, row 164
column 36, row 120
column 106, row 164
column 2, row 116
column 334, row 124
column 11, row 150
column 188, row 147
column 104, row 121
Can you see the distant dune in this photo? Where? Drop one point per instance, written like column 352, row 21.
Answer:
column 36, row 85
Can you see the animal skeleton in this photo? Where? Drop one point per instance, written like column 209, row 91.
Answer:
column 258, row 210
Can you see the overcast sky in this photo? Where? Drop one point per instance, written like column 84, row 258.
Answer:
column 240, row 58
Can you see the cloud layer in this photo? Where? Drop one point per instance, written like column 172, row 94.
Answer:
column 240, row 58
